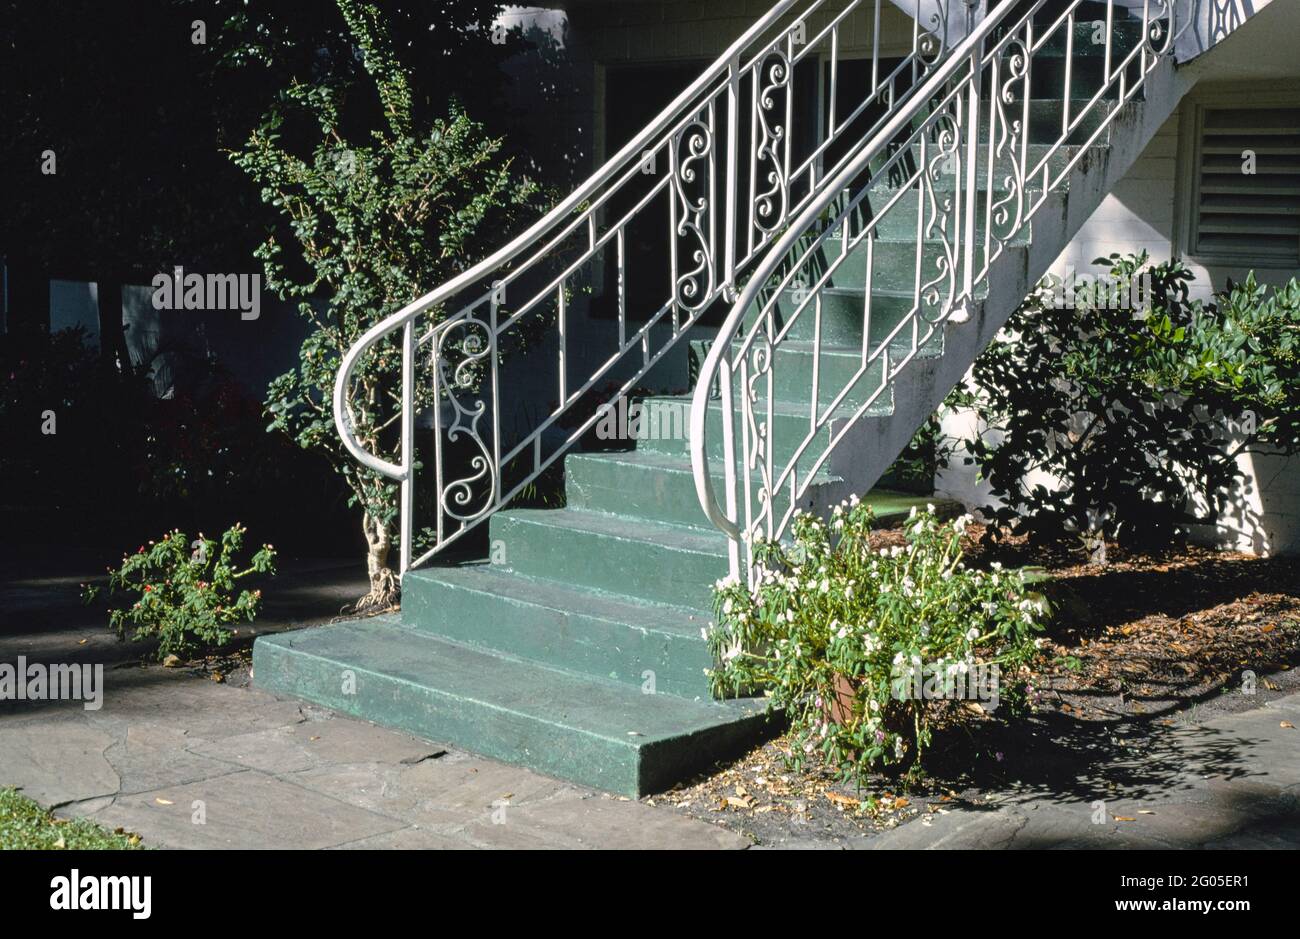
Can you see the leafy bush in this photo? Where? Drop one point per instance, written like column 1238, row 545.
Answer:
column 837, row 634
column 379, row 205
column 184, row 592
column 1115, row 421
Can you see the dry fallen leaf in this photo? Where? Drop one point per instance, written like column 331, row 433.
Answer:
column 171, row 661
column 1287, row 725
column 901, row 803
column 162, row 801
column 1123, row 818
column 842, row 800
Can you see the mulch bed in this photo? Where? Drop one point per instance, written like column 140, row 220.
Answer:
column 1146, row 643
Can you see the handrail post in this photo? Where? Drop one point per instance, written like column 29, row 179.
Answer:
column 972, row 187
column 733, row 182
column 729, row 456
column 408, row 445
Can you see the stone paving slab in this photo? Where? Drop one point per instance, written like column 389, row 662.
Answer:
column 189, row 763
column 1239, row 787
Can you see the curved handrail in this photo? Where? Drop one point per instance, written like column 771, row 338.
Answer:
column 714, row 231
column 969, row 55
column 543, row 226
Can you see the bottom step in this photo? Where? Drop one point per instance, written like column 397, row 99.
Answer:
column 588, row 730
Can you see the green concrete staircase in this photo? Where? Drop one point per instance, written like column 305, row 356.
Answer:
column 580, row 653
column 581, row 656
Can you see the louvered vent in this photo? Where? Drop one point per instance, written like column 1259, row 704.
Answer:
column 1249, row 217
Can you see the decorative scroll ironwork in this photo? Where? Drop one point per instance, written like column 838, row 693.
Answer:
column 940, row 222
column 770, row 205
column 466, row 499
column 1007, row 212
column 759, row 434
column 691, row 188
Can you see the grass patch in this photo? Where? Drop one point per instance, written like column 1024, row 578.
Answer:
column 25, row 826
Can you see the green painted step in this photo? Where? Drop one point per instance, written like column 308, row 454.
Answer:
column 838, row 367
column 1126, row 34
column 595, row 732
column 791, row 423
column 594, row 633
column 650, row 561
column 1057, row 159
column 842, row 315
column 1045, row 120
column 893, row 275
column 644, row 484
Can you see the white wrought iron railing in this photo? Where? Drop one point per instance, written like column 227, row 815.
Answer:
column 934, row 152
column 736, row 174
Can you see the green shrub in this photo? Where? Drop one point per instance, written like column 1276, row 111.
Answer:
column 842, row 637
column 1119, row 421
column 183, row 592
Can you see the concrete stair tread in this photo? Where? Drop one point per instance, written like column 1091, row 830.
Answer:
column 597, row 732
column 661, row 462
column 783, row 408
column 500, row 581
column 706, row 541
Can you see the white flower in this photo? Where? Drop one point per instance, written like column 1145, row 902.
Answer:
column 1039, row 642
column 929, row 507
column 972, row 634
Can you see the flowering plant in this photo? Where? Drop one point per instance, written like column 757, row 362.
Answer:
column 860, row 647
column 184, row 591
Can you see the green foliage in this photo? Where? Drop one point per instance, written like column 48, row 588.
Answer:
column 1115, row 421
column 183, row 593
column 833, row 631
column 376, row 217
column 25, row 826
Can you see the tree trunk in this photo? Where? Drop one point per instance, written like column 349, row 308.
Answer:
column 385, row 587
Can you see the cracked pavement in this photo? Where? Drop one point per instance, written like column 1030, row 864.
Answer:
column 190, row 763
